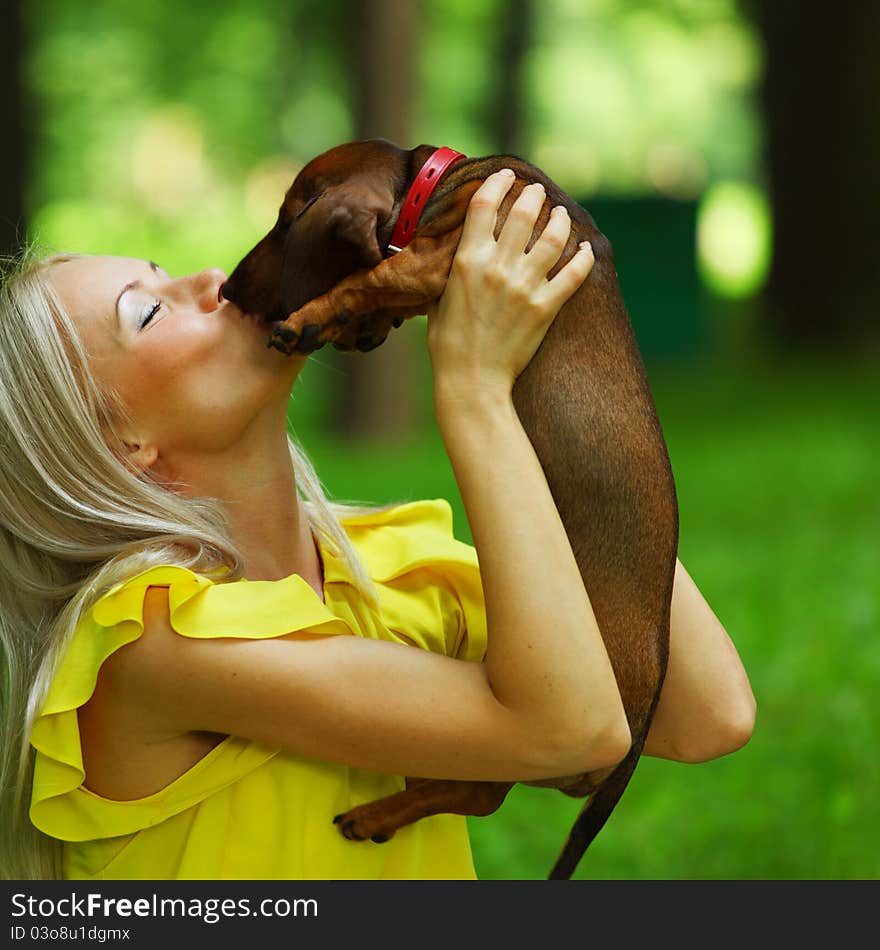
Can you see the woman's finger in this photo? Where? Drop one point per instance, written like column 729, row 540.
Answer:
column 479, row 222
column 570, row 277
column 521, row 219
column 551, row 242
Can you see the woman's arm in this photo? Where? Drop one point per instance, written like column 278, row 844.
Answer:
column 545, row 702
column 543, row 637
column 706, row 706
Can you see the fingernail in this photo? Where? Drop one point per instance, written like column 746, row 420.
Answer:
column 507, row 171
column 559, row 208
column 584, row 245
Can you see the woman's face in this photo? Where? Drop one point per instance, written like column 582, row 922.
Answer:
column 191, row 369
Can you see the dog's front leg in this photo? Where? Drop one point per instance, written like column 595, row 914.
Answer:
column 361, row 309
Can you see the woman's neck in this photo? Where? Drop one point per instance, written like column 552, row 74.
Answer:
column 267, row 520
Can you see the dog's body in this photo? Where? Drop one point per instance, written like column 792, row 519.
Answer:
column 583, row 400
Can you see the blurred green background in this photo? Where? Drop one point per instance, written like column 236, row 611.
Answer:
column 729, row 152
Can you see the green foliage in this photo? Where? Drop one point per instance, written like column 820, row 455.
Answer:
column 170, row 131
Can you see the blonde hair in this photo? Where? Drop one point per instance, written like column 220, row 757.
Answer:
column 75, row 520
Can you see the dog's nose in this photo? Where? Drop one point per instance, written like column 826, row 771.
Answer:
column 226, row 292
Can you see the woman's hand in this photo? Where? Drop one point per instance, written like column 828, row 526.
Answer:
column 498, row 302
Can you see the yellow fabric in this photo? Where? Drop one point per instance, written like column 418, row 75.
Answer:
column 247, row 811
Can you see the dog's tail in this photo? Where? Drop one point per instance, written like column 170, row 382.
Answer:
column 593, row 815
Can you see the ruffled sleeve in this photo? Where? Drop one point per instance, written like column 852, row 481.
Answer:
column 424, row 572
column 60, row 805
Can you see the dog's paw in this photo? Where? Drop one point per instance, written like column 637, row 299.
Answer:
column 289, row 341
column 359, row 827
column 347, row 333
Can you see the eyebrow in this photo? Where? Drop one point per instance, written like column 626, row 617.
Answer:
column 131, row 286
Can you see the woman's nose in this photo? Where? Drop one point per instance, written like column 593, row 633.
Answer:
column 206, row 288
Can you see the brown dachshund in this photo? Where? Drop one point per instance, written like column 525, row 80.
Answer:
column 322, row 275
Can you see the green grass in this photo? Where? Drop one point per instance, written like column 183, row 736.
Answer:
column 777, row 473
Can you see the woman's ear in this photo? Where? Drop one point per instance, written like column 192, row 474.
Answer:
column 139, row 457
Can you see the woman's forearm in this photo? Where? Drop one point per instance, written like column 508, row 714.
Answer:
column 546, row 659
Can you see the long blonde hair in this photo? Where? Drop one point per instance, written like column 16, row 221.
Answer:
column 75, row 520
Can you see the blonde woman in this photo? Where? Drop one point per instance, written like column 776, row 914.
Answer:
column 204, row 660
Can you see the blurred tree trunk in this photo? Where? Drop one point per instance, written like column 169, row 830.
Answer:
column 14, row 150
column 821, row 96
column 516, row 19
column 377, row 392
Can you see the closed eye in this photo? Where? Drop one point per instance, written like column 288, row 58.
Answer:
column 150, row 312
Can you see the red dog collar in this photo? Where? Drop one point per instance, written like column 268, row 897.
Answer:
column 417, row 196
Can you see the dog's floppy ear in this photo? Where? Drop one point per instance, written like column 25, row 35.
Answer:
column 332, row 237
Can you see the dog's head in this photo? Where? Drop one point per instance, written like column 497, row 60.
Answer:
column 335, row 219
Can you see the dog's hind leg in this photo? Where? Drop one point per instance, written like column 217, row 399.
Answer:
column 377, row 821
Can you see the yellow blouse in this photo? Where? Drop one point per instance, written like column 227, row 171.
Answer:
column 246, row 810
